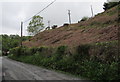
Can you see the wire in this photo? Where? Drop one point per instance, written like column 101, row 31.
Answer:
column 40, row 11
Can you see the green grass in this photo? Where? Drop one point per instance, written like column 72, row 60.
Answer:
column 92, row 61
column 112, row 12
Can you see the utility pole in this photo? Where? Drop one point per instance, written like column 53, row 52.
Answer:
column 48, row 23
column 92, row 10
column 21, row 32
column 69, row 16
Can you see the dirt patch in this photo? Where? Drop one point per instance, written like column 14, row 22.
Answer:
column 103, row 27
column 80, row 36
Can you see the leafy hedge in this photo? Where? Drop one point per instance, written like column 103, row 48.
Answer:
column 93, row 61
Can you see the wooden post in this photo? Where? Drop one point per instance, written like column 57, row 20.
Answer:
column 21, row 32
column 92, row 10
column 69, row 16
column 48, row 23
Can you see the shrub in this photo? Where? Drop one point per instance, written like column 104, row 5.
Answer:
column 86, row 62
column 54, row 26
column 82, row 52
column 83, row 49
column 105, row 52
column 18, row 51
column 66, row 24
column 33, row 50
column 42, row 48
column 110, row 5
column 84, row 18
column 61, row 49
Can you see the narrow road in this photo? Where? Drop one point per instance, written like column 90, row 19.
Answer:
column 0, row 68
column 13, row 70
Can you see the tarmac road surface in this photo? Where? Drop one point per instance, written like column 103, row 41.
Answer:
column 13, row 70
column 0, row 69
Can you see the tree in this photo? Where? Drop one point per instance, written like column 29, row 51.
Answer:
column 35, row 25
column 9, row 42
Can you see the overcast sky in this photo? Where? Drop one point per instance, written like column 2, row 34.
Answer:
column 15, row 11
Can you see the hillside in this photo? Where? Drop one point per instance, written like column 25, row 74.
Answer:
column 100, row 28
column 87, row 49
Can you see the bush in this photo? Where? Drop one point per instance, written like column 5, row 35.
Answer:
column 33, row 50
column 105, row 52
column 82, row 52
column 61, row 49
column 54, row 26
column 20, row 51
column 88, row 61
column 42, row 49
column 66, row 24
column 60, row 52
column 16, row 51
column 84, row 18
column 110, row 5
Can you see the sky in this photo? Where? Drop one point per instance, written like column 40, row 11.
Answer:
column 12, row 12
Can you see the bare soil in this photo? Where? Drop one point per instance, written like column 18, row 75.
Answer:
column 103, row 27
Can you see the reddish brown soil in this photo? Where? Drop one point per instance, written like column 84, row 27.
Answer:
column 105, row 29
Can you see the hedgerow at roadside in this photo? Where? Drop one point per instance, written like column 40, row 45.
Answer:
column 98, row 61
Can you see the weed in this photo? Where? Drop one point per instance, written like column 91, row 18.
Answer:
column 95, row 65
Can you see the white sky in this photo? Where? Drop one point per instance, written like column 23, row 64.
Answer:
column 12, row 12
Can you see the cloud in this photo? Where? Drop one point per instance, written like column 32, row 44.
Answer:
column 0, row 18
column 113, row 0
column 53, row 0
column 15, row 12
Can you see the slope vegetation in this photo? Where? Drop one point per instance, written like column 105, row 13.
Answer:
column 88, row 48
column 100, row 28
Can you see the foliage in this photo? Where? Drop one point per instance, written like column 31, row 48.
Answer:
column 35, row 25
column 61, row 49
column 47, row 28
column 109, row 5
column 11, row 41
column 66, row 24
column 84, row 18
column 0, row 45
column 54, row 26
column 86, row 62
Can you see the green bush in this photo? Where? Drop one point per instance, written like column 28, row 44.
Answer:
column 110, row 5
column 33, row 50
column 20, row 51
column 84, row 18
column 105, row 52
column 93, row 61
column 61, row 49
column 82, row 52
column 16, row 51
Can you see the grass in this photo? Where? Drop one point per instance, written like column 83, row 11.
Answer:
column 87, row 62
column 112, row 12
